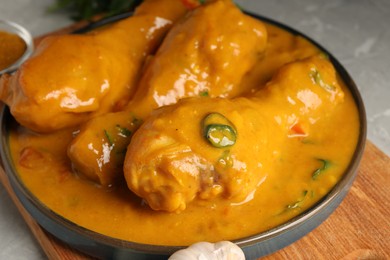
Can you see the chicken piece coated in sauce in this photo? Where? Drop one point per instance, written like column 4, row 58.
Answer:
column 212, row 147
column 200, row 56
column 71, row 78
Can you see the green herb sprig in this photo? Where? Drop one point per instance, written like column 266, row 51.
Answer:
column 325, row 165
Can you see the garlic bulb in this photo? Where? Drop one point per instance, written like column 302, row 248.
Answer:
column 223, row 250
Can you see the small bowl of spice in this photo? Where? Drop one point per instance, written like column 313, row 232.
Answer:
column 16, row 45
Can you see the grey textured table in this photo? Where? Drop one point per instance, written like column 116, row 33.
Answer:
column 356, row 32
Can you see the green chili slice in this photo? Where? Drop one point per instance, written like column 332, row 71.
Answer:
column 220, row 135
column 219, row 131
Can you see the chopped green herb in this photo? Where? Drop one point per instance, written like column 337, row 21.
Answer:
column 324, row 55
column 299, row 202
column 109, row 137
column 325, row 165
column 136, row 121
column 123, row 131
column 316, row 76
column 317, row 79
column 202, row 1
column 204, row 93
column 219, row 131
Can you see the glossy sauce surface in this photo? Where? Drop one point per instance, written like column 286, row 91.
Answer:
column 288, row 190
column 197, row 58
column 86, row 74
column 12, row 48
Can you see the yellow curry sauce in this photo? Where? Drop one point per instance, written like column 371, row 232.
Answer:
column 12, row 48
column 289, row 189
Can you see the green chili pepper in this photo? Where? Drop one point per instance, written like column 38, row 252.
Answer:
column 220, row 135
column 219, row 131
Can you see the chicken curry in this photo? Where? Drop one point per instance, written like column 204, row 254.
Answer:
column 226, row 129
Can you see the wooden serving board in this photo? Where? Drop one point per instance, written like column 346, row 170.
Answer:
column 358, row 229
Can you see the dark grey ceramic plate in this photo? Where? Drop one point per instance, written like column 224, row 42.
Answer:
column 102, row 246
